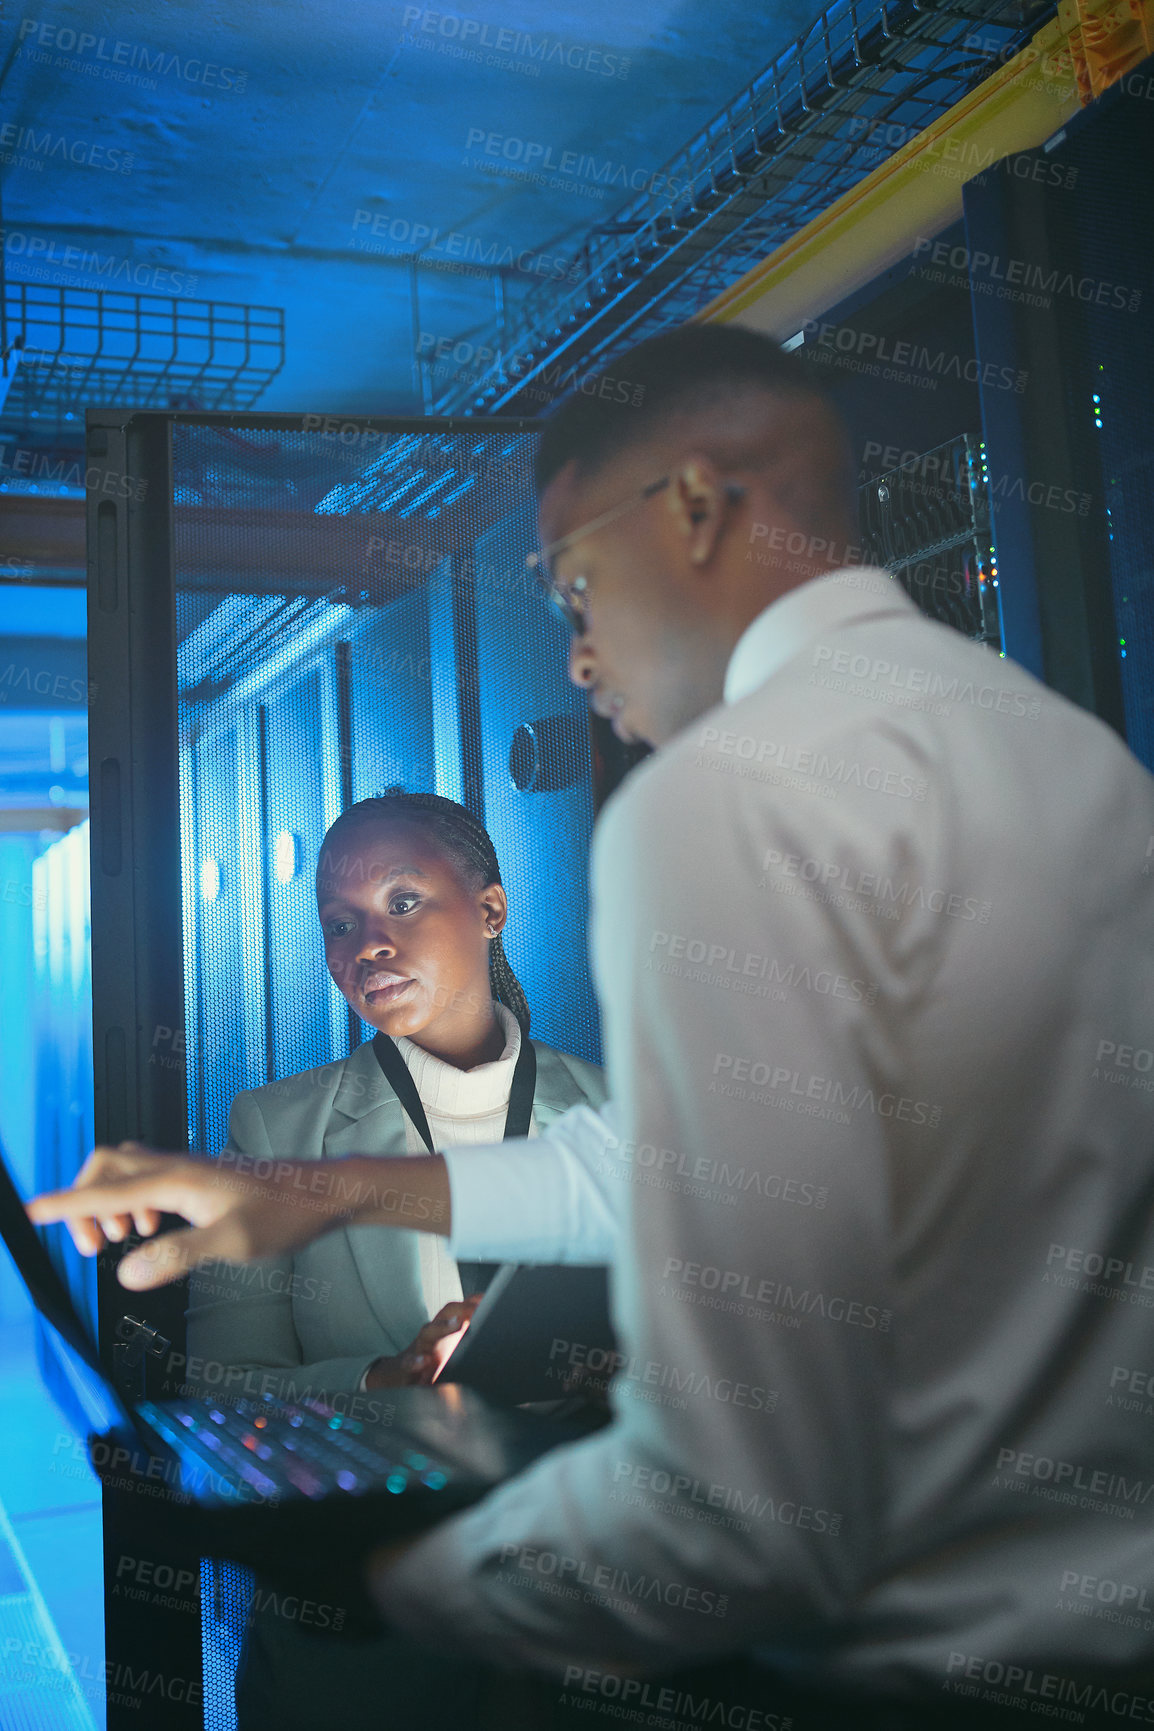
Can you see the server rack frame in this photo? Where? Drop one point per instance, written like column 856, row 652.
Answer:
column 137, row 952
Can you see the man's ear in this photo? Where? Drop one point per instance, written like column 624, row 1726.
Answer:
column 698, row 497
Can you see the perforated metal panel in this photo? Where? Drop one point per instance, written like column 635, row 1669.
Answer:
column 353, row 612
column 225, row 1598
column 929, row 523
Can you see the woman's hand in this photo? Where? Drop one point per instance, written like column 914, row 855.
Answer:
column 421, row 1363
column 588, row 1385
column 232, row 1216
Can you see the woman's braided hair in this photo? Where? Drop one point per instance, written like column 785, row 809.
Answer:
column 468, row 843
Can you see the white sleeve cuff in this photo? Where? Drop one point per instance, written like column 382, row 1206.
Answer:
column 558, row 1197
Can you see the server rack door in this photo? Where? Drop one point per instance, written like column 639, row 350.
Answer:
column 284, row 622
column 293, row 821
column 1061, row 249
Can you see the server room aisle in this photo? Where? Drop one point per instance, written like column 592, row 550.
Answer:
column 51, row 1594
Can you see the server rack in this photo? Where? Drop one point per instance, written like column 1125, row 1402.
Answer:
column 1059, row 251
column 286, row 614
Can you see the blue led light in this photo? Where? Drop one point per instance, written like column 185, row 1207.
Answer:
column 396, row 1482
column 437, row 1481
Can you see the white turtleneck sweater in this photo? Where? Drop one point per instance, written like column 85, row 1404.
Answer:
column 463, row 1107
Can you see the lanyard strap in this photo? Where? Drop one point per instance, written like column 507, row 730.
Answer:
column 399, row 1077
column 475, row 1276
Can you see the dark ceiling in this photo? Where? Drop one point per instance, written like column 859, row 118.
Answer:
column 288, row 202
column 295, row 155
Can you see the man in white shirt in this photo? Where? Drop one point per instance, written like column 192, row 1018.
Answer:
column 871, row 935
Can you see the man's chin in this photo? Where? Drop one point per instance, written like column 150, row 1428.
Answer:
column 634, row 731
column 629, row 728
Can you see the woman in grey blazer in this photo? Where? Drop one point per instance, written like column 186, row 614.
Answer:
column 314, row 1324
column 411, row 905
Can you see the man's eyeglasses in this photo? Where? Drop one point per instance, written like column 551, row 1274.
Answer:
column 571, row 599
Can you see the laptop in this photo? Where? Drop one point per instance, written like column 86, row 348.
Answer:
column 283, row 1488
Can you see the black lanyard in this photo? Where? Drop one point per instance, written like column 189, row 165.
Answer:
column 475, row 1276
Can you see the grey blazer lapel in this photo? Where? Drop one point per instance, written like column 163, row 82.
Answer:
column 557, row 1087
column 367, row 1118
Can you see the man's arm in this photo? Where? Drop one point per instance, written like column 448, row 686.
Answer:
column 555, row 1198
column 238, row 1209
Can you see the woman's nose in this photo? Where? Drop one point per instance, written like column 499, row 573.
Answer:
column 376, row 942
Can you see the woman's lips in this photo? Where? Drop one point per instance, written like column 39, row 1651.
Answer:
column 383, row 988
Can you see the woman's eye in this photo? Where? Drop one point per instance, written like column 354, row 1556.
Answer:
column 403, row 904
column 339, row 928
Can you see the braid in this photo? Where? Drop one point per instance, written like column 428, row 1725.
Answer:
column 470, row 845
column 507, row 988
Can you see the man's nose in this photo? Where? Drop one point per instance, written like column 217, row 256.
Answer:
column 582, row 662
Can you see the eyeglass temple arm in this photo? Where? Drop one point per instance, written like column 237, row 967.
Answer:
column 734, row 490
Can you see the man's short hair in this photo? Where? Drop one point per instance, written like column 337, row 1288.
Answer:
column 662, row 379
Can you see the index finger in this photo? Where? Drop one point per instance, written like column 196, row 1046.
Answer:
column 154, row 1190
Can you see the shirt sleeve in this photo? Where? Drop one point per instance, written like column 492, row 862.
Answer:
column 556, row 1198
column 737, row 1499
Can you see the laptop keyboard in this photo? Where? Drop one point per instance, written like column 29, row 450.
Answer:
column 279, row 1450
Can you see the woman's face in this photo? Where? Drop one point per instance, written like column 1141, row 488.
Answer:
column 405, row 939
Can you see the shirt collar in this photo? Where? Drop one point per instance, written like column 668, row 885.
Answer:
column 822, row 604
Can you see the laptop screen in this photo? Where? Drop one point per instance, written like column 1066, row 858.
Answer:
column 54, row 1302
